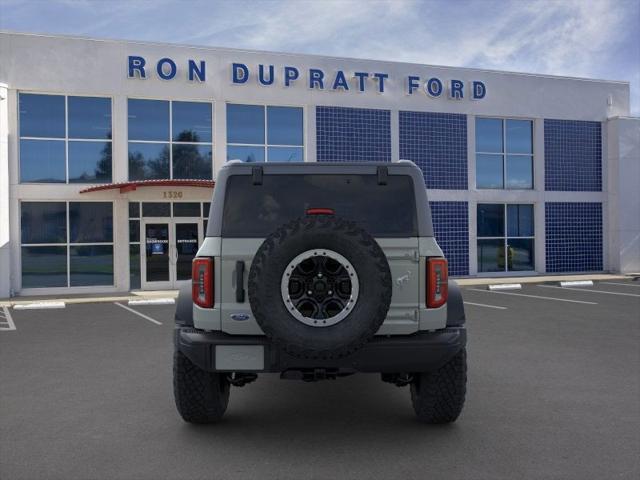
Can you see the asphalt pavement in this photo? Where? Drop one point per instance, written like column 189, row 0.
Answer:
column 553, row 392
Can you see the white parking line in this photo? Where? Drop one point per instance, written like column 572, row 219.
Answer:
column 533, row 296
column 623, row 284
column 7, row 325
column 487, row 306
column 591, row 290
column 152, row 301
column 152, row 320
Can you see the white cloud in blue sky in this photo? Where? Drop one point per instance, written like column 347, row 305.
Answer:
column 583, row 38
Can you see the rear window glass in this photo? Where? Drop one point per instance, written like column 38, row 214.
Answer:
column 257, row 210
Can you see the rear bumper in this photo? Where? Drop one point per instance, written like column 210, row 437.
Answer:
column 420, row 352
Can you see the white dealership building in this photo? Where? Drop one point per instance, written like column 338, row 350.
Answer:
column 109, row 151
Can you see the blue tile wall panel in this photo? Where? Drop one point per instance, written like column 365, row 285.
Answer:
column 572, row 155
column 451, row 228
column 437, row 143
column 353, row 134
column 573, row 236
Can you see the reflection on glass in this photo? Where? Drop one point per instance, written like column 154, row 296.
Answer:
column 90, row 222
column 192, row 161
column 89, row 162
column 520, row 254
column 245, row 124
column 519, row 171
column 191, row 121
column 148, row 120
column 91, row 265
column 43, row 222
column 246, row 154
column 41, row 115
column 187, row 247
column 284, row 126
column 285, row 154
column 519, row 136
column 489, row 135
column 44, row 267
column 42, row 161
column 491, row 255
column 489, row 171
column 490, row 220
column 148, row 161
column 157, row 251
column 134, row 266
column 89, row 117
column 520, row 220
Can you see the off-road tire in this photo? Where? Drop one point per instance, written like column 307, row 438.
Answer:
column 201, row 396
column 318, row 232
column 438, row 397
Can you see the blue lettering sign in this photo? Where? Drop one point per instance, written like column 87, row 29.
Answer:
column 136, row 64
column 161, row 70
column 340, row 81
column 261, row 79
column 290, row 74
column 412, row 84
column 316, row 77
column 455, row 89
column 479, row 90
column 196, row 71
column 433, row 87
column 362, row 77
column 240, row 73
column 380, row 77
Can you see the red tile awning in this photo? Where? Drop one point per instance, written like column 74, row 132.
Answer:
column 125, row 187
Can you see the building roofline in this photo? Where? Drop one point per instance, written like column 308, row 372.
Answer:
column 291, row 54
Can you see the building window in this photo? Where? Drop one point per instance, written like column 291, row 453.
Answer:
column 505, row 237
column 65, row 139
column 256, row 133
column 170, row 140
column 66, row 244
column 504, row 153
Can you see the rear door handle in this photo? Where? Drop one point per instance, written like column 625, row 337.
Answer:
column 240, row 281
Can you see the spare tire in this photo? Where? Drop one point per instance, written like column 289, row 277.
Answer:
column 320, row 287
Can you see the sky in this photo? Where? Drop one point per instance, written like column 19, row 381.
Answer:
column 579, row 38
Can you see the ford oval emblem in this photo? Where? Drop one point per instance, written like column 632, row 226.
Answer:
column 240, row 317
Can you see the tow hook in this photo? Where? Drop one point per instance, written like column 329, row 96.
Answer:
column 241, row 379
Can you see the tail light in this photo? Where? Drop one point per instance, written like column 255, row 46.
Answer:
column 202, row 282
column 437, row 282
column 320, row 211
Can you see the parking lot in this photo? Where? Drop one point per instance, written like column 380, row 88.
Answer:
column 553, row 392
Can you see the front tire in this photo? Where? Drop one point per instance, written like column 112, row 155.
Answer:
column 201, row 396
column 438, row 397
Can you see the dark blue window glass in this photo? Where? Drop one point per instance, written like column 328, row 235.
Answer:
column 245, row 124
column 134, row 230
column 192, row 161
column 285, row 154
column 284, row 126
column 91, row 265
column 490, row 221
column 519, row 172
column 519, row 136
column 89, row 117
column 156, row 209
column 41, row 115
column 191, row 122
column 520, row 220
column 148, row 161
column 44, row 267
column 246, row 154
column 43, row 222
column 90, row 222
column 491, row 255
column 148, row 120
column 89, row 162
column 489, row 171
column 134, row 266
column 134, row 210
column 42, row 161
column 489, row 135
column 186, row 209
column 520, row 254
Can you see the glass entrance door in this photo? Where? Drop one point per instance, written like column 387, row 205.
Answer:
column 170, row 246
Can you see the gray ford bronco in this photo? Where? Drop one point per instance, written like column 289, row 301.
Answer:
column 317, row 271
